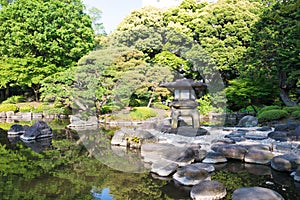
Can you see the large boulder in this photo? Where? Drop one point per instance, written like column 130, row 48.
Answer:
column 278, row 135
column 251, row 193
column 248, row 121
column 233, row 151
column 208, row 190
column 131, row 137
column 286, row 162
column 39, row 129
column 259, row 156
column 17, row 129
column 152, row 152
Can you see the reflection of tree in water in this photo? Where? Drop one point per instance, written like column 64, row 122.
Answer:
column 98, row 145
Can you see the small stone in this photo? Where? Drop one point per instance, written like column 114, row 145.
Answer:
column 251, row 193
column 256, row 137
column 208, row 190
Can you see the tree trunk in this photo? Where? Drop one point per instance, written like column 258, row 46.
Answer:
column 6, row 95
column 152, row 96
column 285, row 98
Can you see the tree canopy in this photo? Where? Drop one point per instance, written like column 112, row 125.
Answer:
column 44, row 37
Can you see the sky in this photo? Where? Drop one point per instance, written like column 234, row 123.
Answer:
column 113, row 11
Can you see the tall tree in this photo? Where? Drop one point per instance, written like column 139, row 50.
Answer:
column 48, row 36
column 223, row 30
column 275, row 50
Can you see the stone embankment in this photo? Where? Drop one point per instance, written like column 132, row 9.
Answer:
column 189, row 159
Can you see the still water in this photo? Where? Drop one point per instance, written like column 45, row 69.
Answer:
column 69, row 167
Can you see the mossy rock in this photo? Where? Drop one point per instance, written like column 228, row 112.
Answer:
column 271, row 115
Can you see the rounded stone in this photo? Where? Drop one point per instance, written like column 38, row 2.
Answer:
column 190, row 176
column 259, row 156
column 250, row 193
column 214, row 157
column 208, row 190
column 285, row 162
column 233, row 151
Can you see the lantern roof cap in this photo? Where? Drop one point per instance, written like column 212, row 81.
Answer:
column 184, row 83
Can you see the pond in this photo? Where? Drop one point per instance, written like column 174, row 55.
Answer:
column 69, row 167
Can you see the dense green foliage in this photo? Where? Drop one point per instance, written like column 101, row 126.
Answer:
column 8, row 107
column 250, row 47
column 40, row 38
column 141, row 113
column 296, row 114
column 270, row 115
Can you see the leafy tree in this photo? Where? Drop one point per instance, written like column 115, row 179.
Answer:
column 223, row 30
column 244, row 92
column 46, row 36
column 96, row 16
column 4, row 3
column 275, row 49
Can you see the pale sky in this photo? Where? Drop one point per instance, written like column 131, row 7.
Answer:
column 113, row 11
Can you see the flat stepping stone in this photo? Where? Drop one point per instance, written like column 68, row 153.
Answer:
column 251, row 193
column 214, row 158
column 188, row 176
column 163, row 168
column 208, row 190
column 256, row 137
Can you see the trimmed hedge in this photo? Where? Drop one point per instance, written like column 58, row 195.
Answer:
column 25, row 108
column 291, row 109
column 266, row 108
column 296, row 114
column 270, row 115
column 14, row 99
column 8, row 107
column 140, row 113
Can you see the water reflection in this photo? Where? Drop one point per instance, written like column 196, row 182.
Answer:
column 98, row 145
column 101, row 194
column 39, row 145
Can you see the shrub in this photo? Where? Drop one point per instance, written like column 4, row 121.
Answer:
column 266, row 108
column 291, row 109
column 14, row 99
column 140, row 113
column 41, row 108
column 205, row 105
column 8, row 107
column 270, row 115
column 25, row 108
column 160, row 105
column 58, row 111
column 296, row 114
column 109, row 108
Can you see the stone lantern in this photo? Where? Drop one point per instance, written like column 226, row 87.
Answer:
column 185, row 103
